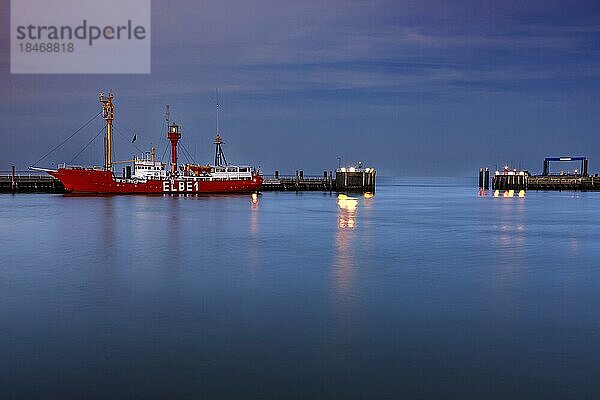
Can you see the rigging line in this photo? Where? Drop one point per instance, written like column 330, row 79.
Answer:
column 162, row 133
column 184, row 151
column 164, row 152
column 67, row 139
column 188, row 153
column 90, row 142
column 188, row 156
column 125, row 137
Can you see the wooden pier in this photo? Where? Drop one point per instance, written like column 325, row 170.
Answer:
column 563, row 182
column 29, row 182
column 298, row 183
column 347, row 179
column 546, row 182
column 517, row 181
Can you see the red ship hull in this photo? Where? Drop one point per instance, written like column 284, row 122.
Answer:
column 104, row 182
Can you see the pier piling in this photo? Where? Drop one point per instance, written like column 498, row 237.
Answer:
column 13, row 185
column 486, row 180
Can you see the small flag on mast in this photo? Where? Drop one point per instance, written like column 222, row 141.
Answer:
column 134, row 138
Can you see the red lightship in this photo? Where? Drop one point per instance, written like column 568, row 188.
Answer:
column 147, row 175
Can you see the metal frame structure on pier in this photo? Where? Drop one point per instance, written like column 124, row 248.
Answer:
column 584, row 164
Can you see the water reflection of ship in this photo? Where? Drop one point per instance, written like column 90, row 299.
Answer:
column 254, row 238
column 254, row 214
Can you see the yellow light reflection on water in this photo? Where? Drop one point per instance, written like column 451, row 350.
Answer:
column 345, row 264
column 347, row 216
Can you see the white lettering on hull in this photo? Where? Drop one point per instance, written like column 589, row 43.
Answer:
column 174, row 186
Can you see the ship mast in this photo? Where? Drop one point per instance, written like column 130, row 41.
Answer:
column 167, row 119
column 220, row 160
column 108, row 113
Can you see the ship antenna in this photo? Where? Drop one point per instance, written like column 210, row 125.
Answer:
column 217, row 112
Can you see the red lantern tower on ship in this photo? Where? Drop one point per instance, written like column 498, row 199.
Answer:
column 174, row 135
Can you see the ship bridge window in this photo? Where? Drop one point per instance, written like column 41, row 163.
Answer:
column 243, row 169
column 232, row 169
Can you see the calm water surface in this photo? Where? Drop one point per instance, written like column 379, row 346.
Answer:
column 422, row 291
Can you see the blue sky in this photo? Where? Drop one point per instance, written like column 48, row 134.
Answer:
column 410, row 87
